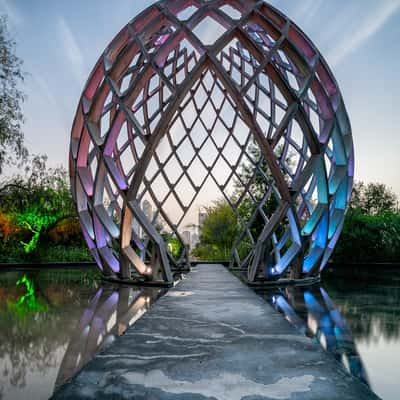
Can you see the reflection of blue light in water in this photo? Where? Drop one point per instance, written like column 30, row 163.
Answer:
column 325, row 321
column 319, row 316
column 335, row 315
column 338, row 333
column 312, row 304
column 290, row 314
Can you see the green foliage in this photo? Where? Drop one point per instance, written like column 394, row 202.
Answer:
column 38, row 219
column 28, row 302
column 35, row 221
column 369, row 238
column 37, row 200
column 257, row 175
column 220, row 226
column 219, row 231
column 209, row 252
column 11, row 97
column 174, row 244
column 371, row 230
column 62, row 253
column 373, row 198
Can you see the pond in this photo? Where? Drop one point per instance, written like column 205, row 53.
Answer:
column 356, row 318
column 53, row 322
column 370, row 303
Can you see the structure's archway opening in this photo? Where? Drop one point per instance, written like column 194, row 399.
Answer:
column 198, row 100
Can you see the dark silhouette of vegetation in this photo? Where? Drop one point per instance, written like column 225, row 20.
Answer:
column 371, row 231
column 373, row 199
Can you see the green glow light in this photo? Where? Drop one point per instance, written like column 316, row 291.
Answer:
column 28, row 302
column 35, row 221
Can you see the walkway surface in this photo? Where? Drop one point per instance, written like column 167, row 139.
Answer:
column 211, row 337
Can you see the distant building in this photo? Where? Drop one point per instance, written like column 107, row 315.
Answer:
column 148, row 210
column 202, row 217
column 136, row 227
column 158, row 223
column 186, row 237
column 194, row 239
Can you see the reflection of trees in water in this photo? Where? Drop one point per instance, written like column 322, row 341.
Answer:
column 29, row 343
column 31, row 339
column 370, row 305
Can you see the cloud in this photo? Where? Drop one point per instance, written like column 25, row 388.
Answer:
column 306, row 11
column 12, row 13
column 351, row 40
column 51, row 102
column 72, row 50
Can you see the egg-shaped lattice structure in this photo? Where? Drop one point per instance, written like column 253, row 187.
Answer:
column 227, row 93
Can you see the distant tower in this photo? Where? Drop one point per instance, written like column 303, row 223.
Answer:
column 186, row 237
column 202, row 217
column 194, row 239
column 148, row 210
column 136, row 227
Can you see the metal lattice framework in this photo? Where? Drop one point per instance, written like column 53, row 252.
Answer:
column 184, row 95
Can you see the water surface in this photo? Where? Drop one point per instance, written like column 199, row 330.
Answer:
column 354, row 317
column 53, row 322
column 370, row 303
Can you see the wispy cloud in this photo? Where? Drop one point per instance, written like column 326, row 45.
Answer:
column 14, row 16
column 351, row 40
column 72, row 50
column 52, row 103
column 306, row 10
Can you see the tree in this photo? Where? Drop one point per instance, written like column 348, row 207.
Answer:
column 218, row 233
column 371, row 230
column 259, row 176
column 11, row 97
column 373, row 198
column 259, row 171
column 38, row 200
column 220, row 225
column 369, row 238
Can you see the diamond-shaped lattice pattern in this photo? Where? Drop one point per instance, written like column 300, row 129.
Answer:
column 194, row 99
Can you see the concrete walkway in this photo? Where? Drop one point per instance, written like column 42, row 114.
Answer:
column 211, row 337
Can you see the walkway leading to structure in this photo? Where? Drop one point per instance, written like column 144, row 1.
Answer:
column 211, row 337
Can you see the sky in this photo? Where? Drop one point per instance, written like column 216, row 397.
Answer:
column 60, row 41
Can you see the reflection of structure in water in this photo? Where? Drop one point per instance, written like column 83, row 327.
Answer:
column 312, row 312
column 109, row 314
